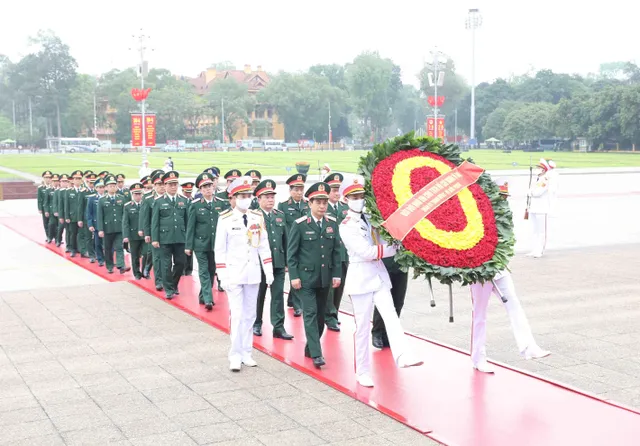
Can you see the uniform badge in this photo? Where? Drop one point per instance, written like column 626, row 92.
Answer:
column 309, row 232
column 278, row 220
column 329, row 230
column 119, row 202
column 321, row 187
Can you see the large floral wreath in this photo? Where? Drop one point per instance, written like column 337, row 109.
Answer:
column 467, row 239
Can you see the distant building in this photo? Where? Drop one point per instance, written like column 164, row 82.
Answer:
column 264, row 122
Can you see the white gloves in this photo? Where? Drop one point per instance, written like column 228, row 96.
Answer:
column 269, row 278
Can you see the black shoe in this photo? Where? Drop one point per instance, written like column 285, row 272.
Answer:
column 145, row 273
column 188, row 274
column 92, row 260
column 377, row 341
column 110, row 271
column 282, row 335
column 137, row 276
column 257, row 330
column 318, row 362
column 73, row 254
column 177, row 293
column 58, row 244
column 100, row 262
column 290, row 303
column 208, row 307
column 220, row 288
column 158, row 287
column 307, row 353
column 297, row 313
column 169, row 296
column 333, row 328
column 125, row 269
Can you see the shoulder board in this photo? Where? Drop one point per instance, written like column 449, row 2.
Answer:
column 149, row 196
column 84, row 189
column 330, row 218
column 92, row 195
column 128, row 203
column 201, row 200
column 182, row 196
column 226, row 213
column 256, row 212
column 159, row 197
column 41, row 186
column 277, row 211
column 301, row 219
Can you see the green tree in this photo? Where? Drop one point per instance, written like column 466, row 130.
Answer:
column 232, row 97
column 78, row 117
column 530, row 122
column 6, row 128
column 175, row 108
column 409, row 111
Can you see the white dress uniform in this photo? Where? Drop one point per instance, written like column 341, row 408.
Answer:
column 368, row 284
column 239, row 251
column 541, row 194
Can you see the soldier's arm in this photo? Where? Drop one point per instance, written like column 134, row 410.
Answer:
column 126, row 227
column 191, row 228
column 540, row 188
column 155, row 224
column 65, row 200
column 220, row 249
column 100, row 218
column 41, row 188
column 144, row 222
column 293, row 247
column 359, row 246
column 89, row 213
column 265, row 251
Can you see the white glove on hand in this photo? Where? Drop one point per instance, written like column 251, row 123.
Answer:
column 269, row 278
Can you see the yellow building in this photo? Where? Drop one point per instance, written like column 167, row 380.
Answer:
column 255, row 81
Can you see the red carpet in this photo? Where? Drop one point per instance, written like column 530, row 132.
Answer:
column 444, row 399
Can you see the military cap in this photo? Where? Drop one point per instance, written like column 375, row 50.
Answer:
column 156, row 177
column 103, row 174
column 232, row 174
column 353, row 184
column 255, row 175
column 213, row 170
column 503, row 185
column 239, row 185
column 160, row 171
column 144, row 179
column 99, row 183
column 92, row 177
column 205, row 178
column 187, row 187
column 334, row 179
column 318, row 190
column 170, row 177
column 47, row 174
column 136, row 188
column 64, row 177
column 109, row 179
column 87, row 173
column 265, row 187
column 76, row 174
column 297, row 180
column 55, row 177
column 120, row 177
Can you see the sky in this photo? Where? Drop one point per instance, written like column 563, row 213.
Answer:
column 187, row 37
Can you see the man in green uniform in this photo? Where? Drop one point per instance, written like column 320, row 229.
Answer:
column 147, row 255
column 145, row 223
column 168, row 232
column 47, row 207
column 130, row 228
column 230, row 177
column 276, row 228
column 313, row 256
column 58, row 210
column 187, row 190
column 42, row 191
column 91, row 217
column 201, row 235
column 339, row 211
column 110, row 212
column 86, row 242
column 122, row 189
column 294, row 208
column 73, row 210
column 255, row 176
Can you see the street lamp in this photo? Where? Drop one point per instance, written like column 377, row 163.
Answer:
column 473, row 22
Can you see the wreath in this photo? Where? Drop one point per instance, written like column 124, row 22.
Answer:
column 467, row 239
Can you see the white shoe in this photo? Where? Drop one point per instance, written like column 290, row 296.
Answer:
column 484, row 367
column 409, row 360
column 249, row 362
column 365, row 380
column 535, row 352
column 235, row 365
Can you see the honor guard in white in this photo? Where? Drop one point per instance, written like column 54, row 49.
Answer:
column 501, row 286
column 542, row 195
column 368, row 283
column 241, row 246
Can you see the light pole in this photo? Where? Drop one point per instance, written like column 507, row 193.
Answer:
column 473, row 22
column 95, row 110
column 436, row 79
column 143, row 71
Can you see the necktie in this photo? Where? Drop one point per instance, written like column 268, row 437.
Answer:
column 113, row 200
column 319, row 222
column 364, row 219
column 244, row 218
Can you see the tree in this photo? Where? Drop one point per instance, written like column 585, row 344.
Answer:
column 237, row 104
column 409, row 112
column 223, row 66
column 6, row 128
column 530, row 122
column 78, row 118
column 333, row 72
column 373, row 84
column 494, row 126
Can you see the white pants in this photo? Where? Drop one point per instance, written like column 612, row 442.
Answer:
column 243, row 301
column 480, row 294
column 539, row 237
column 363, row 311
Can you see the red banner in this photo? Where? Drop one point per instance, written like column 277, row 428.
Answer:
column 430, row 197
column 150, row 130
column 431, row 127
column 136, row 130
column 432, row 101
column 440, row 128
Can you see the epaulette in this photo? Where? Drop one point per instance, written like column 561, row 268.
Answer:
column 83, row 189
column 42, row 185
column 301, row 219
column 128, row 203
column 330, row 218
column 225, row 214
column 180, row 195
column 256, row 212
column 200, row 200
column 277, row 211
column 159, row 197
column 92, row 195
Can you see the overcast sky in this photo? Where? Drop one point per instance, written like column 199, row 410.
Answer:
column 187, row 36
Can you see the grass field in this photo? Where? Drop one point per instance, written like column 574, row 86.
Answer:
column 283, row 163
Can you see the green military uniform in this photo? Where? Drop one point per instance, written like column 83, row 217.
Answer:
column 124, row 190
column 187, row 191
column 110, row 212
column 256, row 176
column 313, row 255
column 73, row 212
column 58, row 210
column 52, row 221
column 86, row 242
column 229, row 176
column 201, row 236
column 145, row 223
column 130, row 228
column 339, row 211
column 168, row 227
column 276, row 227
column 42, row 192
column 292, row 211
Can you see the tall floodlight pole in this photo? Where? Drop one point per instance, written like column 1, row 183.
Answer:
column 222, row 119
column 436, row 79
column 95, row 110
column 473, row 22
column 142, row 71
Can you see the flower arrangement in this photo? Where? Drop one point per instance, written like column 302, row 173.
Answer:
column 303, row 167
column 469, row 238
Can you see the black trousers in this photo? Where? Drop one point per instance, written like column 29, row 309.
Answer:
column 72, row 229
column 173, row 262
column 399, row 282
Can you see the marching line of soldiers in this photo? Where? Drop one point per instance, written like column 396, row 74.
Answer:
column 240, row 236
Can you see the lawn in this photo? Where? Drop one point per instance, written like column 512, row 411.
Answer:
column 283, row 163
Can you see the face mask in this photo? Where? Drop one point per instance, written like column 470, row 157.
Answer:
column 243, row 203
column 356, row 205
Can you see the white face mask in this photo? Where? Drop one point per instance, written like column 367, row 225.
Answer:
column 243, row 203
column 356, row 205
